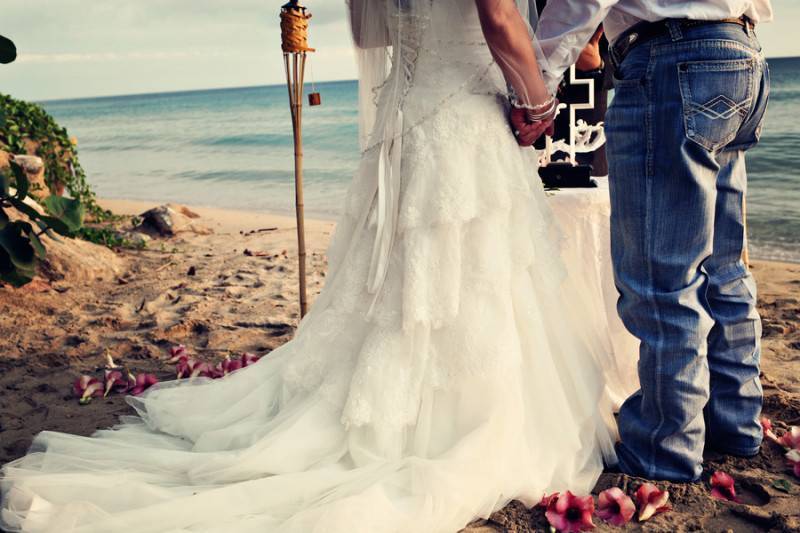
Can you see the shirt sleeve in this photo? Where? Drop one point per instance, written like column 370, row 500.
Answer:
column 564, row 28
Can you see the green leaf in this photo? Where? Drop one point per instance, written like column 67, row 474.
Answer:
column 24, row 208
column 56, row 225
column 783, row 485
column 22, row 182
column 18, row 248
column 36, row 243
column 46, row 230
column 9, row 274
column 4, row 184
column 68, row 210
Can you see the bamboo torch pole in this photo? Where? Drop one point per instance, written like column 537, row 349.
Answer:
column 746, row 250
column 294, row 43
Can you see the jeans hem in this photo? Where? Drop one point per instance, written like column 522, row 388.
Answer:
column 737, row 452
column 625, row 469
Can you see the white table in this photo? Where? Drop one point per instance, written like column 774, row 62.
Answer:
column 583, row 217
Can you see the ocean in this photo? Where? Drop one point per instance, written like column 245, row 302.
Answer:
column 232, row 148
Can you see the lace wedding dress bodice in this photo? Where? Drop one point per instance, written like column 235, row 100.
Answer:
column 439, row 57
column 438, row 375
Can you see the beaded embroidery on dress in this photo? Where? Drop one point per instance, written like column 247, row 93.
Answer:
column 440, row 374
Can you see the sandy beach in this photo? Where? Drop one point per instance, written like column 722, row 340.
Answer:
column 228, row 284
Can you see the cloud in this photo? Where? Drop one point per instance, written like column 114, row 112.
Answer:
column 111, row 56
column 88, row 47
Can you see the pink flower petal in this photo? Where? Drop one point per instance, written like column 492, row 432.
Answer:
column 80, row 385
column 723, row 487
column 651, row 500
column 615, row 507
column 769, row 434
column 86, row 388
column 570, row 513
column 116, row 381
column 545, row 502
column 791, row 439
column 249, row 359
column 185, row 367
column 142, row 382
column 177, row 353
column 201, row 369
column 794, row 460
column 557, row 520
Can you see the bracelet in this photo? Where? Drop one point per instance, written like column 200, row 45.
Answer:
column 545, row 114
column 546, row 105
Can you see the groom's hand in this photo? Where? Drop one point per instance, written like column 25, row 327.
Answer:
column 527, row 132
column 590, row 58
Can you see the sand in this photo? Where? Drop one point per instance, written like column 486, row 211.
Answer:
column 234, row 289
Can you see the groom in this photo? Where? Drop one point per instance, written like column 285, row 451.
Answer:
column 691, row 89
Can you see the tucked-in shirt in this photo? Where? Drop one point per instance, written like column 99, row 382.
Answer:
column 565, row 26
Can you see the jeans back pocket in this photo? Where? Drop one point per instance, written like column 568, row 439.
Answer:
column 717, row 98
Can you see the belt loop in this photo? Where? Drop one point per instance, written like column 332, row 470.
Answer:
column 674, row 28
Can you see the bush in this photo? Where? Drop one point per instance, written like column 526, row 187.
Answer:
column 24, row 125
column 20, row 245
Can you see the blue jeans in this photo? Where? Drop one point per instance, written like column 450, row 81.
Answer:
column 686, row 108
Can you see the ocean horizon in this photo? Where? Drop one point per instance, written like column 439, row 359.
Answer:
column 232, row 148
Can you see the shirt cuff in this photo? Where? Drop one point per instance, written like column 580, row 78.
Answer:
column 559, row 60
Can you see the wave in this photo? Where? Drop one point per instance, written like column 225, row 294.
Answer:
column 246, row 139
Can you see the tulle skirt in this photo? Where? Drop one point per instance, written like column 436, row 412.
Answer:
column 470, row 381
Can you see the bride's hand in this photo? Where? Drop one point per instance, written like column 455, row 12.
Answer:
column 527, row 132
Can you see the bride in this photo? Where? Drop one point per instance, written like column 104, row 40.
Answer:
column 443, row 371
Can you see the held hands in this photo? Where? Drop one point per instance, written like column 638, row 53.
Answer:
column 525, row 131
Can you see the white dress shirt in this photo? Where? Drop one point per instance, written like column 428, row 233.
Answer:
column 565, row 26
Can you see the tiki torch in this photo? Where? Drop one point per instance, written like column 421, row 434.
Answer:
column 294, row 42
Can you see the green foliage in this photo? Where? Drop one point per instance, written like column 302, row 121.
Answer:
column 23, row 121
column 67, row 210
column 20, row 246
column 783, row 485
column 109, row 237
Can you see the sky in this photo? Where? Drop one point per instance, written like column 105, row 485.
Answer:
column 82, row 48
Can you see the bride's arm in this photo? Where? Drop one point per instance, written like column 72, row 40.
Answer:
column 507, row 35
column 368, row 23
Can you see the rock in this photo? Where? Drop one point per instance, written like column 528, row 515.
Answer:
column 168, row 220
column 33, row 167
column 137, row 238
column 30, row 163
column 159, row 219
column 73, row 260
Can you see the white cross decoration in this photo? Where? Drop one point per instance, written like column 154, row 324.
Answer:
column 585, row 143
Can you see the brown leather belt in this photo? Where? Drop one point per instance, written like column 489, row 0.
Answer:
column 645, row 31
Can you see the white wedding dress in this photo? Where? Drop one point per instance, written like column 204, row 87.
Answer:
column 439, row 375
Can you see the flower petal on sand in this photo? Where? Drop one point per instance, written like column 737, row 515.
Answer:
column 615, row 507
column 651, row 500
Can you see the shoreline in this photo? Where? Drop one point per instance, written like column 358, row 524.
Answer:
column 231, row 220
column 225, row 219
